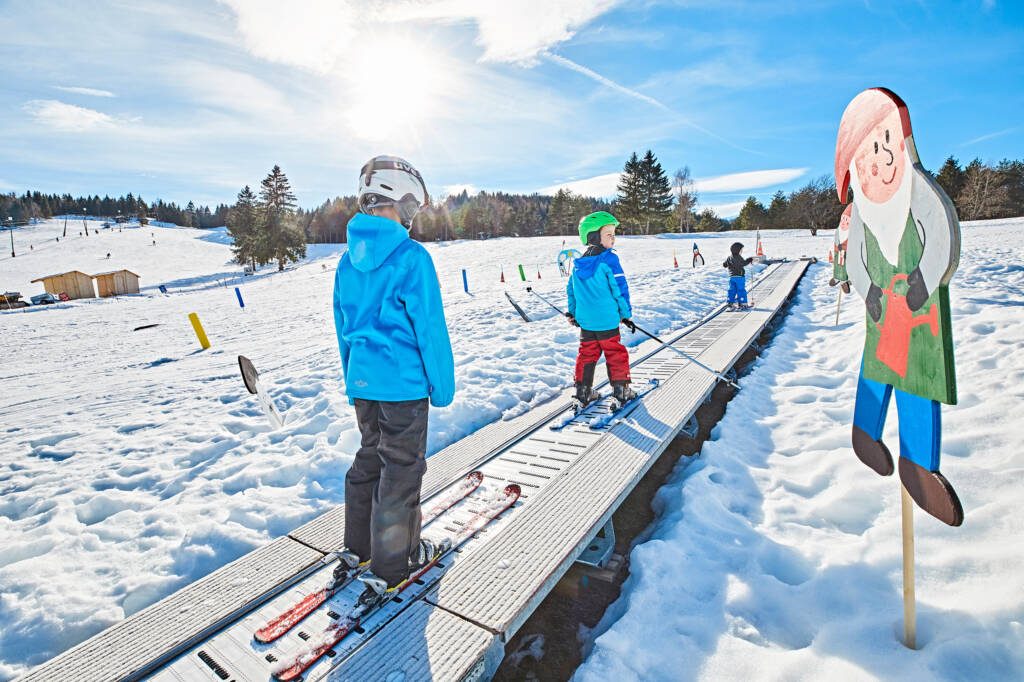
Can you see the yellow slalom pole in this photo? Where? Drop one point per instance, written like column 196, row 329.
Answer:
column 909, row 603
column 198, row 327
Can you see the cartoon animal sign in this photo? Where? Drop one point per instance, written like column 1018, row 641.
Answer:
column 903, row 248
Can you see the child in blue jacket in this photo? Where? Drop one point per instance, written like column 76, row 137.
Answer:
column 598, row 303
column 395, row 356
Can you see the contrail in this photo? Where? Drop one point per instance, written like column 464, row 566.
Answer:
column 612, row 85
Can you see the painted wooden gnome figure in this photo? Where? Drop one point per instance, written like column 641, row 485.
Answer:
column 904, row 246
column 838, row 253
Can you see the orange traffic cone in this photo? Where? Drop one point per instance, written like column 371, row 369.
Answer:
column 538, row 272
column 675, row 261
column 760, row 249
column 503, row 275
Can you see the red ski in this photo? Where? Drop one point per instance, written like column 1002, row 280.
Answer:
column 279, row 625
column 292, row 668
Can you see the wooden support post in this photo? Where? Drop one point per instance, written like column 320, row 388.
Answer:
column 198, row 327
column 909, row 605
column 839, row 299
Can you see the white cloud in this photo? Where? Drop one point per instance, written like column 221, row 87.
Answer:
column 452, row 190
column 67, row 117
column 605, row 185
column 607, row 82
column 515, row 31
column 735, row 182
column 311, row 35
column 988, row 136
column 317, row 35
column 729, row 210
column 598, row 186
column 91, row 92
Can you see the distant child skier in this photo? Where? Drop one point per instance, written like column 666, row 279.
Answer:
column 736, row 264
column 395, row 355
column 598, row 303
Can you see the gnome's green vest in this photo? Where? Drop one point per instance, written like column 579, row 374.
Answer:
column 929, row 368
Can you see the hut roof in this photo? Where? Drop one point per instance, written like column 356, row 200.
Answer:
column 61, row 274
column 114, row 272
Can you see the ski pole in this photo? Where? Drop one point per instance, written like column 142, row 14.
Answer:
column 688, row 357
column 560, row 311
column 839, row 300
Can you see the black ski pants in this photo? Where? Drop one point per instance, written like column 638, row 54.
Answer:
column 382, row 487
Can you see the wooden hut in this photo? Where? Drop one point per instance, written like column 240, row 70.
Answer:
column 74, row 284
column 116, row 283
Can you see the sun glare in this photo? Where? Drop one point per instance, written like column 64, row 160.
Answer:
column 396, row 87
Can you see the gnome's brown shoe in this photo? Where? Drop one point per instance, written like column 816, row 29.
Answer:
column 872, row 452
column 932, row 492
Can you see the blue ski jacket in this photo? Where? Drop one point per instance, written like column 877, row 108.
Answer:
column 598, row 293
column 389, row 317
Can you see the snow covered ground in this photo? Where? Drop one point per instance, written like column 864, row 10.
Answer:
column 132, row 462
column 777, row 554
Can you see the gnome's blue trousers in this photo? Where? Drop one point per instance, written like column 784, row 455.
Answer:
column 919, row 421
column 738, row 290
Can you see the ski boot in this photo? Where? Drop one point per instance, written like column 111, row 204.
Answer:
column 348, row 565
column 585, row 394
column 729, row 307
column 621, row 394
column 375, row 591
column 426, row 551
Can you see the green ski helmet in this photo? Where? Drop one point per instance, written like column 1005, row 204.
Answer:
column 594, row 222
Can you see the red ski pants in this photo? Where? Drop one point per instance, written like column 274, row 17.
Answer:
column 592, row 344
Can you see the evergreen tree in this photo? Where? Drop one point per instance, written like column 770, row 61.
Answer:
column 628, row 204
column 753, row 216
column 282, row 240
column 243, row 226
column 655, row 193
column 708, row 221
column 951, row 177
column 778, row 211
column 562, row 213
column 190, row 215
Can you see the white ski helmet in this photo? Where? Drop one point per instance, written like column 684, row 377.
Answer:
column 392, row 181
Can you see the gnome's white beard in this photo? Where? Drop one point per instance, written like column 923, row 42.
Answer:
column 888, row 220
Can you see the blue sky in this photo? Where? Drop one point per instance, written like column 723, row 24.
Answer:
column 192, row 99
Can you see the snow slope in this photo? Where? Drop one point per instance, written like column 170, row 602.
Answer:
column 777, row 553
column 132, row 462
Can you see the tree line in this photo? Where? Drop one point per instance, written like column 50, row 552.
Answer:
column 647, row 201
column 979, row 191
column 37, row 205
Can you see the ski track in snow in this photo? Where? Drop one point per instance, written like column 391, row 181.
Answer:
column 777, row 554
column 133, row 463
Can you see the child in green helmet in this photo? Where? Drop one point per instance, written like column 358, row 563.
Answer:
column 598, row 303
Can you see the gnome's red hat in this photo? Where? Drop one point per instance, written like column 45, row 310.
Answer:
column 862, row 114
